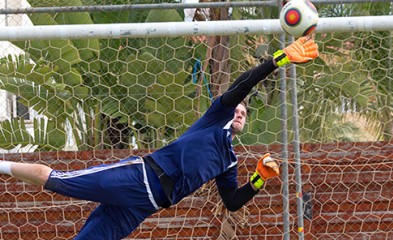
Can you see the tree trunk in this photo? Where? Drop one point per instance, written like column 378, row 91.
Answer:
column 220, row 67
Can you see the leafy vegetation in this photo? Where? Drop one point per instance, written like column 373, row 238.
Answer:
column 114, row 93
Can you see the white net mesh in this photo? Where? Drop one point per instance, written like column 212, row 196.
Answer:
column 110, row 98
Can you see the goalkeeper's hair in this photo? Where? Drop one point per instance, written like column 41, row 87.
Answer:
column 245, row 103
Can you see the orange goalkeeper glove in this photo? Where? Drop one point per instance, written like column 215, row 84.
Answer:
column 267, row 168
column 301, row 51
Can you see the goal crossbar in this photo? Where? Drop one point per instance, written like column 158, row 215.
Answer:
column 178, row 29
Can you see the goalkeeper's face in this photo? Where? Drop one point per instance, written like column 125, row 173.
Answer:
column 240, row 118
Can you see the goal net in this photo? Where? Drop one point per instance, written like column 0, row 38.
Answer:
column 80, row 87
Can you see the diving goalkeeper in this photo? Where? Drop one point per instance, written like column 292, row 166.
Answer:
column 132, row 189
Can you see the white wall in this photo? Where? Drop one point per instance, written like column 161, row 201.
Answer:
column 6, row 48
column 7, row 100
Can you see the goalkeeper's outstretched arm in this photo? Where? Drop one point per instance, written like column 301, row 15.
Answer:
column 245, row 82
column 301, row 51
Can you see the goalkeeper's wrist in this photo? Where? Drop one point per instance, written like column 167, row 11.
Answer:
column 281, row 58
column 256, row 180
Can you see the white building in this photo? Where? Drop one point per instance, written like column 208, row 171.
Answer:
column 8, row 105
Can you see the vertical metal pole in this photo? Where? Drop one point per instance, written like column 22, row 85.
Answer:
column 285, row 186
column 296, row 146
column 284, row 166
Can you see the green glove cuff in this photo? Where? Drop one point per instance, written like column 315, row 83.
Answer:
column 256, row 180
column 281, row 58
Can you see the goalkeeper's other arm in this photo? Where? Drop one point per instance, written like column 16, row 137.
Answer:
column 266, row 168
column 233, row 197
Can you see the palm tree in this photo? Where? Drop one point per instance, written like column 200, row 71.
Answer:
column 370, row 55
column 96, row 85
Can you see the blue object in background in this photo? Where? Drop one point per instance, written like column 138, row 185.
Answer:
column 195, row 69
